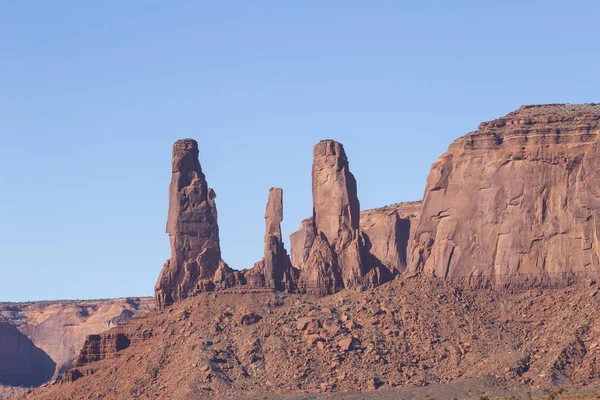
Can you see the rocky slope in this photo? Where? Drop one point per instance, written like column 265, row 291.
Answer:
column 58, row 329
column 406, row 333
column 516, row 203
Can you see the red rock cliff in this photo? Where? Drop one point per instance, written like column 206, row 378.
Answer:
column 516, row 203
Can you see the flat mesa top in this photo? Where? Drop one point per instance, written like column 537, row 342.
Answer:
column 536, row 124
column 546, row 114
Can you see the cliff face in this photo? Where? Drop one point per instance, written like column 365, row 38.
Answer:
column 59, row 328
column 516, row 203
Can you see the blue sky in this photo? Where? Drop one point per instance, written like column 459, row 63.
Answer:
column 93, row 94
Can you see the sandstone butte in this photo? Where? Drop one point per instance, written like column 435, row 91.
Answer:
column 331, row 250
column 493, row 274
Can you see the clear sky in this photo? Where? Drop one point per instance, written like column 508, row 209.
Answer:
column 94, row 93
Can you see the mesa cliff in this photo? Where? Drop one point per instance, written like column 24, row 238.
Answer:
column 516, row 203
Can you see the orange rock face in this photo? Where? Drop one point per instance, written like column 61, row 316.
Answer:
column 516, row 203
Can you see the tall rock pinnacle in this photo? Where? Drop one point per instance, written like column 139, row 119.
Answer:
column 336, row 209
column 275, row 269
column 332, row 243
column 192, row 228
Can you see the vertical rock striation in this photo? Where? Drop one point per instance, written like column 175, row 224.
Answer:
column 193, row 231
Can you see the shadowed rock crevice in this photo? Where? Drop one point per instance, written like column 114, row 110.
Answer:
column 22, row 363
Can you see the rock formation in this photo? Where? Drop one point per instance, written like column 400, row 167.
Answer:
column 330, row 252
column 517, row 202
column 101, row 346
column 193, row 231
column 336, row 208
column 275, row 269
column 301, row 242
column 329, row 249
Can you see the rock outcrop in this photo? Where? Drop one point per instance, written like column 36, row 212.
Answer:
column 193, row 231
column 275, row 269
column 336, row 209
column 329, row 249
column 301, row 242
column 101, row 346
column 517, row 202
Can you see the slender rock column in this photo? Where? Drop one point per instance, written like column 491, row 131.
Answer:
column 192, row 228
